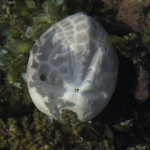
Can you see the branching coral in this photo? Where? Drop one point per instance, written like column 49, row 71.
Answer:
column 35, row 132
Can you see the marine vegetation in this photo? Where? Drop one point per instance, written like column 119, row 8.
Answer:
column 36, row 132
column 123, row 125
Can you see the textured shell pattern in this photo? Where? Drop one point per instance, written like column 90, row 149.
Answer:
column 72, row 66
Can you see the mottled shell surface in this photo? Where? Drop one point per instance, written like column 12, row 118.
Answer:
column 72, row 66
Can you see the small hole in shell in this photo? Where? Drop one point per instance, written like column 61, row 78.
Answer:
column 43, row 77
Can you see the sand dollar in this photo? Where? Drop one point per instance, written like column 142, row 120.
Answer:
column 72, row 66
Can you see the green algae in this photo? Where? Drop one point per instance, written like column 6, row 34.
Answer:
column 23, row 127
column 19, row 29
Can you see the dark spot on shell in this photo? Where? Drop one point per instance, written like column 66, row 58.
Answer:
column 76, row 90
column 43, row 77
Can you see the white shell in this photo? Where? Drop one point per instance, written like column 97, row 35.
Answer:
column 72, row 66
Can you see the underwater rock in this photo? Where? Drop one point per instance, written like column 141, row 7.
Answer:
column 135, row 14
column 72, row 66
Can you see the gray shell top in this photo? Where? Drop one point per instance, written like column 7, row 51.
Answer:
column 72, row 66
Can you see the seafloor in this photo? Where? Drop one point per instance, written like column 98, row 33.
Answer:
column 123, row 125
